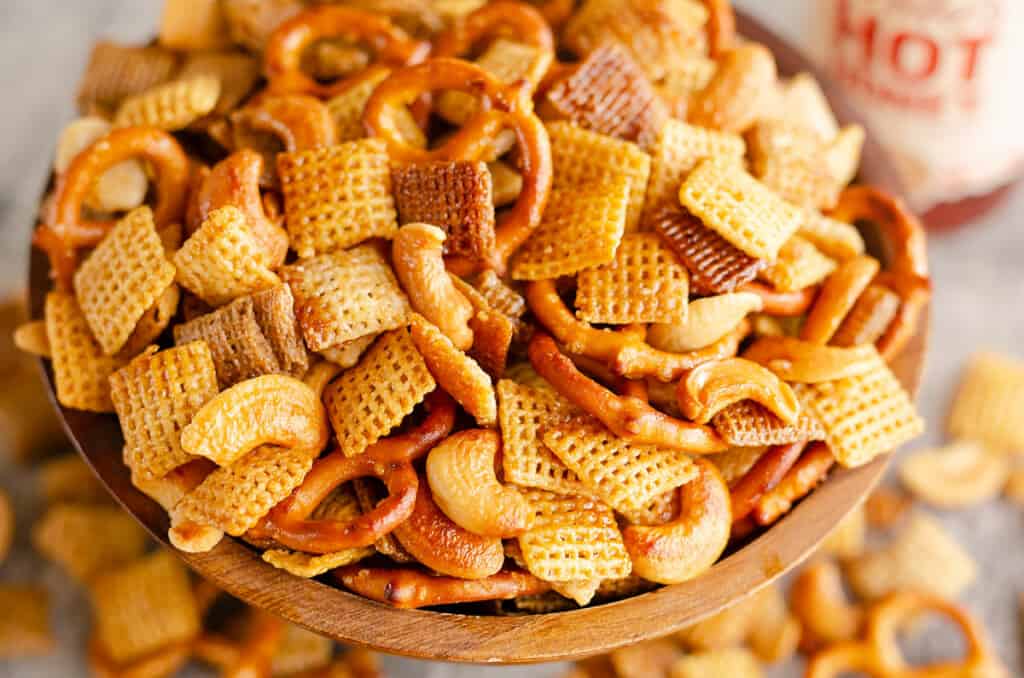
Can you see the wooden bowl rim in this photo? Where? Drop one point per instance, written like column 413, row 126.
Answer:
column 446, row 636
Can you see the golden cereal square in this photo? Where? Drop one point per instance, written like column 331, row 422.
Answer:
column 86, row 539
column 346, row 110
column 645, row 283
column 81, row 370
column 234, row 498
column 624, row 475
column 338, row 196
column 455, row 196
column 989, row 405
column 344, row 296
column 608, row 93
column 749, row 424
column 739, row 208
column 581, row 227
column 864, row 416
column 687, row 77
column 737, row 662
column 25, row 625
column 580, row 156
column 121, row 278
column 799, row 264
column 144, row 606
column 171, row 106
column 155, row 396
column 365, row 403
column 118, row 71
column 834, row 238
column 524, row 413
column 222, row 260
column 790, row 160
column 677, row 150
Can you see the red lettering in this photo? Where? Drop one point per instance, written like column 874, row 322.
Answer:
column 896, row 60
column 865, row 33
column 972, row 51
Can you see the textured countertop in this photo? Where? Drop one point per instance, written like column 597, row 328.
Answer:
column 979, row 288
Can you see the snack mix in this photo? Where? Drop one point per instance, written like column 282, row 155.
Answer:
column 463, row 302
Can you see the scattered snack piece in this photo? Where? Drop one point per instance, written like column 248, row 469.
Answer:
column 68, row 478
column 849, row 538
column 86, row 540
column 1014, row 490
column 645, row 283
column 989, row 405
column 143, row 607
column 344, row 296
column 959, row 475
column 819, row 601
column 737, row 662
column 921, row 557
column 887, row 506
column 25, row 625
column 650, row 658
column 338, row 196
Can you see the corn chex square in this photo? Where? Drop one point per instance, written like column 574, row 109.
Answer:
column 739, row 208
column 455, row 196
column 346, row 295
column 688, row 76
column 524, row 413
column 790, row 160
column 121, row 278
column 143, row 607
column 749, row 424
column 579, row 156
column 156, row 395
column 80, row 368
column 222, row 260
column 864, row 416
column 234, row 498
column 86, row 539
column 624, row 475
column 834, row 238
column 608, row 93
column 365, row 403
column 338, row 196
column 573, row 539
column 799, row 264
column 645, row 283
column 677, row 150
column 346, row 110
column 581, row 227
column 989, row 405
column 171, row 106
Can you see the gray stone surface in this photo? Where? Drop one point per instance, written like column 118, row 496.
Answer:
column 979, row 288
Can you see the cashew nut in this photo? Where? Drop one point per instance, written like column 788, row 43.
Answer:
column 709, row 388
column 707, row 320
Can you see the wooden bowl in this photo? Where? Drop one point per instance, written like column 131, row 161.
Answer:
column 447, row 636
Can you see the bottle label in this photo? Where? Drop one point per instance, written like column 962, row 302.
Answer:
column 934, row 79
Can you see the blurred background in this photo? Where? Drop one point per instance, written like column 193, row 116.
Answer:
column 977, row 273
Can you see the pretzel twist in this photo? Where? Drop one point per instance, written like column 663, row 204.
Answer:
column 628, row 417
column 299, row 122
column 721, row 26
column 515, row 20
column 808, row 471
column 283, row 56
column 409, row 588
column 65, row 230
column 626, row 353
column 389, row 459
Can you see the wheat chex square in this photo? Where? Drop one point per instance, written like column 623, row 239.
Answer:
column 989, row 405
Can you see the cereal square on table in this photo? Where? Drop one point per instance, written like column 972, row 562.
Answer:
column 365, row 403
column 222, row 260
column 345, row 295
column 156, row 395
column 144, row 606
column 579, row 156
column 645, row 283
column 581, row 227
column 25, row 624
column 989, row 405
column 86, row 539
column 456, row 197
column 739, row 208
column 80, row 368
column 338, row 196
column 122, row 278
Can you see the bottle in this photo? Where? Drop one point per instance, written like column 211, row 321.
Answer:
column 941, row 84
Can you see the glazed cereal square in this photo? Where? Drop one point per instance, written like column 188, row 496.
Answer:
column 524, row 413
column 989, row 405
column 170, row 106
column 144, row 606
column 454, row 196
column 864, row 416
column 799, row 264
column 624, row 475
column 338, row 196
column 122, row 278
column 80, row 368
column 346, row 110
column 580, row 156
column 581, row 227
column 739, row 208
column 365, row 403
column 222, row 260
column 156, row 395
column 345, row 295
column 749, row 424
column 645, row 283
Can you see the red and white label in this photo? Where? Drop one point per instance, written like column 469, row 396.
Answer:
column 941, row 82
